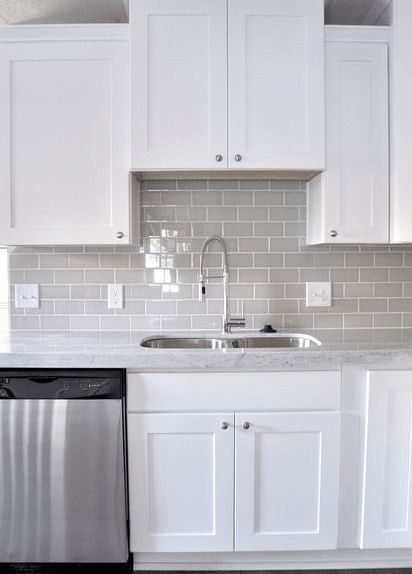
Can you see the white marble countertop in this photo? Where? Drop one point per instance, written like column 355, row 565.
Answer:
column 122, row 350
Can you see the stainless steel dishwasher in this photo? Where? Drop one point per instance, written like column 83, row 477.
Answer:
column 62, row 471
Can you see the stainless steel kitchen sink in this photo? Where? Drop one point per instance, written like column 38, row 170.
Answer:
column 278, row 341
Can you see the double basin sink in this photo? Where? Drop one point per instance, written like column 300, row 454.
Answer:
column 277, row 341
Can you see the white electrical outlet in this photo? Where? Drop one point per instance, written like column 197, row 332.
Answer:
column 27, row 296
column 115, row 296
column 319, row 294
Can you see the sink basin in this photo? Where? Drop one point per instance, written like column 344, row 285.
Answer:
column 278, row 341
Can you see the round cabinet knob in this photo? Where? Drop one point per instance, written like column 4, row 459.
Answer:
column 224, row 425
column 238, row 157
column 120, row 235
column 333, row 233
column 219, row 157
column 246, row 425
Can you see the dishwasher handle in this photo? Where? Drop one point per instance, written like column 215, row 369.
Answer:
column 42, row 380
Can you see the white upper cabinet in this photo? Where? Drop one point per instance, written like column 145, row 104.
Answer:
column 64, row 161
column 276, row 84
column 387, row 481
column 349, row 202
column 220, row 84
column 401, row 122
column 287, row 475
column 179, row 84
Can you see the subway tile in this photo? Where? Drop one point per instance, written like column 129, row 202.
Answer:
column 373, row 305
column 268, row 198
column 149, row 185
column 331, row 321
column 295, row 198
column 256, row 306
column 253, row 244
column 222, row 214
column 313, row 275
column 295, row 229
column 114, row 261
column 388, row 289
column 295, row 290
column 191, row 213
column 269, row 291
column 283, row 306
column 83, row 260
column 356, row 290
column 161, row 307
column 115, row 323
column 84, row 323
column 400, row 274
column 94, row 276
column 54, row 322
column 54, row 261
column 403, row 304
column 359, row 259
column 129, row 276
column 173, row 198
column 176, row 323
column 84, row 291
column 203, row 229
column 388, row 259
column 284, row 276
column 54, row 292
column 67, row 277
column 284, row 214
column 253, row 214
column 374, row 275
column 268, row 260
column 357, row 320
column 238, row 198
column 238, row 260
column 284, row 245
column 22, row 322
column 207, row 198
column 329, row 259
column 192, row 184
column 237, row 229
column 207, row 322
column 253, row 275
column 344, row 275
column 24, row 261
column 223, row 184
column 285, row 185
column 69, row 307
column 299, row 260
column 145, row 323
column 254, row 184
column 382, row 320
column 298, row 321
column 264, row 229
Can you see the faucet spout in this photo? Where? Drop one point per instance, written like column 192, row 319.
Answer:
column 228, row 323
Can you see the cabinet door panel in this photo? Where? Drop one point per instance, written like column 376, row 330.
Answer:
column 181, row 482
column 386, row 504
column 179, row 77
column 276, row 114
column 64, row 174
column 287, row 469
column 357, row 174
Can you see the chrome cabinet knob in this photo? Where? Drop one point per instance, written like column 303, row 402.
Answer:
column 224, row 425
column 333, row 233
column 246, row 425
column 120, row 235
column 219, row 157
column 238, row 157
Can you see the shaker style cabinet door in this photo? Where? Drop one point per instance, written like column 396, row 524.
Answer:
column 276, row 84
column 349, row 202
column 287, row 473
column 387, row 482
column 179, row 84
column 181, row 482
column 64, row 161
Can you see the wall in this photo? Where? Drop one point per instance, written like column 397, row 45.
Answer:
column 263, row 223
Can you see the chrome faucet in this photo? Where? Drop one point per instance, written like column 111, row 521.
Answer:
column 228, row 321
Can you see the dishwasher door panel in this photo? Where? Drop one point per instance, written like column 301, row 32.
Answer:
column 62, row 482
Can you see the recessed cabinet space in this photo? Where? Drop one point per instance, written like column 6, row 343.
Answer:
column 387, row 482
column 227, row 84
column 349, row 201
column 64, row 112
column 257, row 478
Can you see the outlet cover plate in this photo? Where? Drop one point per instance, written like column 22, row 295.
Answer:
column 115, row 296
column 319, row 294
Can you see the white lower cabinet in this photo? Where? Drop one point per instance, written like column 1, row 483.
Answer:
column 286, row 481
column 181, row 482
column 387, row 484
column 225, row 481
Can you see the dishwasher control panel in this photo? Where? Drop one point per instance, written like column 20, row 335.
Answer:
column 62, row 384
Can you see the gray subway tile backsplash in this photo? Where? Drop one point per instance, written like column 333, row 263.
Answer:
column 263, row 223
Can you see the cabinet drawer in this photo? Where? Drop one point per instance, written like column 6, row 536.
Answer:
column 316, row 390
